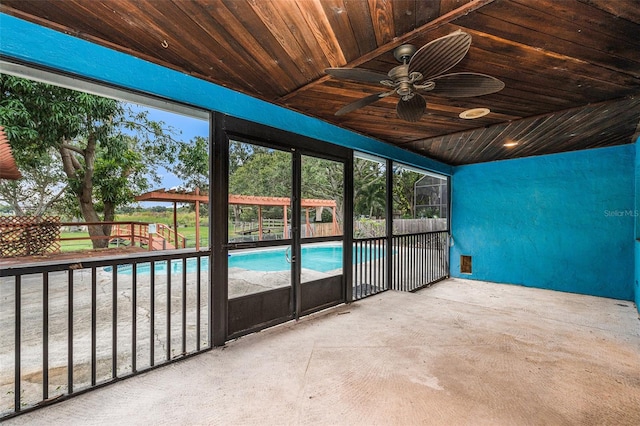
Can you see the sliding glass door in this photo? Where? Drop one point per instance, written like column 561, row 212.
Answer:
column 283, row 252
column 321, row 234
column 259, row 258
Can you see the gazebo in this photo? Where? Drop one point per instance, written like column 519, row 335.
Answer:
column 305, row 203
column 176, row 196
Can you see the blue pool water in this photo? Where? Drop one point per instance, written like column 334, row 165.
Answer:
column 317, row 258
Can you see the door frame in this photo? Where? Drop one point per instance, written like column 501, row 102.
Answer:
column 224, row 129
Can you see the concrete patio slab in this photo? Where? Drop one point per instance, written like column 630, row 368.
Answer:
column 460, row 352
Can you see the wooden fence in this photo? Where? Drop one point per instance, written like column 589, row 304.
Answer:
column 363, row 228
column 417, row 226
column 29, row 235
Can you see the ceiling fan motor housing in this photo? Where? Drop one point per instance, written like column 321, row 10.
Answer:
column 401, row 80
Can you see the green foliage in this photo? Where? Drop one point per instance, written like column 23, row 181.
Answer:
column 39, row 190
column 107, row 149
column 39, row 116
column 193, row 164
column 369, row 228
column 369, row 187
column 403, row 191
column 239, row 153
column 323, row 179
column 260, row 171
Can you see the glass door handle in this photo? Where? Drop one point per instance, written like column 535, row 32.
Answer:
column 239, row 245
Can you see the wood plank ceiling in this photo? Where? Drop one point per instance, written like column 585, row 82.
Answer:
column 571, row 67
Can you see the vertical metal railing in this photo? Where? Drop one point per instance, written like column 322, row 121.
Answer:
column 69, row 327
column 369, row 267
column 419, row 260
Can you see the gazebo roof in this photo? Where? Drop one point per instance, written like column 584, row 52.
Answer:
column 173, row 196
column 177, row 196
column 255, row 200
column 8, row 167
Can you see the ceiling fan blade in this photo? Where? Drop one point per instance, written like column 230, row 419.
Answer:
column 465, row 85
column 362, row 102
column 413, row 109
column 357, row 74
column 440, row 55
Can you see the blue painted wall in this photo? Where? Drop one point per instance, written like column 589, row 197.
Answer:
column 563, row 222
column 637, row 273
column 636, row 283
column 27, row 42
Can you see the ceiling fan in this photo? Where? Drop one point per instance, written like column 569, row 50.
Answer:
column 421, row 72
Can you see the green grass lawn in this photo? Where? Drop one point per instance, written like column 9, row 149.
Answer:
column 186, row 227
column 76, row 245
column 189, row 233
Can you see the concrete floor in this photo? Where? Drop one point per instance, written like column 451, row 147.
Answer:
column 461, row 352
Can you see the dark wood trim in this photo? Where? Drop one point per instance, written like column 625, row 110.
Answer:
column 256, row 133
column 218, row 181
column 347, row 230
column 389, row 223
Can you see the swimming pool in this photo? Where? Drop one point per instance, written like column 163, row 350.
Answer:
column 318, row 258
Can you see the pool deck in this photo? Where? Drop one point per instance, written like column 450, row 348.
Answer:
column 70, row 256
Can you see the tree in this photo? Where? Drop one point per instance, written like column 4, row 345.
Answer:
column 239, row 153
column 260, row 171
column 193, row 164
column 369, row 188
column 256, row 170
column 39, row 190
column 403, row 191
column 324, row 179
column 264, row 172
column 107, row 149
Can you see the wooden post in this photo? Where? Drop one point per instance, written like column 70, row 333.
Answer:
column 133, row 236
column 335, row 222
column 175, row 224
column 259, row 223
column 306, row 217
column 197, row 219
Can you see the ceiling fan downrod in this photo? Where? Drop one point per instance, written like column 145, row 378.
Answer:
column 403, row 53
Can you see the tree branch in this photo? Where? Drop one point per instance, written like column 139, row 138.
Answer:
column 72, row 148
column 68, row 162
column 55, row 198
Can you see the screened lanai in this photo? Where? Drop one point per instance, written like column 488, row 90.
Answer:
column 237, row 284
column 529, row 279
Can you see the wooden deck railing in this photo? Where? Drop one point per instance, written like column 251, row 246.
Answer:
column 174, row 238
column 135, row 233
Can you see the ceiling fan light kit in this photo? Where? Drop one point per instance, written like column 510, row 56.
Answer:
column 422, row 72
column 474, row 113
